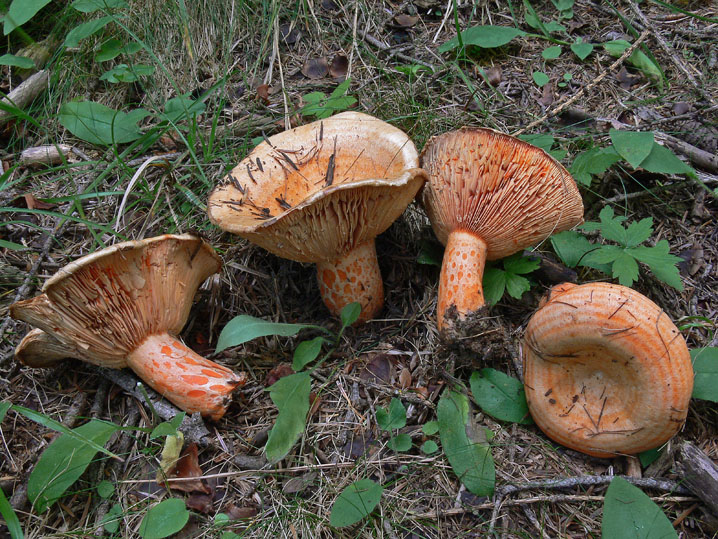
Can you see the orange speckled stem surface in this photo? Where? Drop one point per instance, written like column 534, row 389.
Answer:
column 462, row 270
column 189, row 381
column 353, row 277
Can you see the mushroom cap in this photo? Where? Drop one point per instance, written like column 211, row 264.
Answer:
column 39, row 350
column 105, row 304
column 606, row 371
column 315, row 192
column 506, row 191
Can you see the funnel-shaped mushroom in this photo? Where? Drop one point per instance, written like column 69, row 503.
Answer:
column 606, row 371
column 321, row 193
column 122, row 307
column 490, row 195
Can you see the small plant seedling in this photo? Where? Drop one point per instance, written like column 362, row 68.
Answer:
column 391, row 419
column 320, row 106
column 508, row 278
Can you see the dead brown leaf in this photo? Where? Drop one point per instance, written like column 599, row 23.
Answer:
column 546, row 95
column 315, row 401
column 280, row 371
column 263, row 93
column 626, row 80
column 298, row 484
column 404, row 378
column 315, row 68
column 240, row 513
column 289, row 34
column 36, row 204
column 187, row 467
column 406, row 21
column 379, row 369
column 199, row 502
column 339, row 67
column 493, row 75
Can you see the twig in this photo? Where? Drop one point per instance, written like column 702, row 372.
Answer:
column 383, row 46
column 578, row 95
column 25, row 93
column 705, row 160
column 392, row 391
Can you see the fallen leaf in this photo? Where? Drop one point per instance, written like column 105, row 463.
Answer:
column 358, row 445
column 278, row 372
column 406, row 21
column 35, row 204
column 240, row 513
column 379, row 369
column 315, row 68
column 187, row 467
column 315, row 400
column 199, row 502
column 546, row 95
column 493, row 75
column 339, row 67
column 404, row 378
column 170, row 455
column 681, row 108
column 289, row 34
column 263, row 93
column 298, row 484
column 626, row 80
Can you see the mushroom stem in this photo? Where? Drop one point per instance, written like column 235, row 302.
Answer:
column 462, row 270
column 353, row 277
column 188, row 380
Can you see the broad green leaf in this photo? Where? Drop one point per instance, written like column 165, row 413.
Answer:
column 430, row 428
column 85, row 30
column 554, row 27
column 111, row 521
column 629, row 514
column 357, row 501
column 582, row 50
column 306, row 352
column 516, row 285
column 314, row 97
column 465, row 444
column 20, row 12
column 663, row 161
column 400, row 442
column 633, row 146
column 341, row 89
column 648, row 457
column 519, row 264
column 551, row 53
column 11, row 520
column 64, row 461
column 167, row 428
column 638, row 59
column 430, row 253
column 182, row 107
column 494, row 284
column 429, row 447
column 4, row 407
column 486, row 37
column 393, row 418
column 90, row 6
column 164, row 519
column 291, row 396
column 705, row 367
column 244, row 328
column 625, row 268
column 500, row 396
column 98, row 124
column 593, row 161
column 611, row 227
column 112, row 48
column 639, row 231
column 571, row 246
column 16, row 61
column 604, row 254
column 105, row 489
column 540, row 78
column 350, row 313
column 126, row 73
column 662, row 264
column 5, row 244
column 540, row 140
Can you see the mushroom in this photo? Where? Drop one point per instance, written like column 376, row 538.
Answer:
column 122, row 307
column 490, row 195
column 606, row 372
column 321, row 193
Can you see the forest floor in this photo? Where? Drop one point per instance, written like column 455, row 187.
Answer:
column 252, row 64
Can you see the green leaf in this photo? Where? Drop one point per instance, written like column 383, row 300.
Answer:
column 540, row 78
column 648, row 457
column 111, row 521
column 519, row 264
column 126, row 73
column 167, row 428
column 85, row 30
column 400, row 442
column 625, row 268
column 486, row 37
column 105, row 489
column 663, row 161
column 20, row 12
column 112, row 48
column 314, row 97
column 394, row 418
column 629, row 514
column 431, row 253
column 611, row 227
column 98, row 124
column 494, row 284
column 661, row 262
column 356, row 502
column 306, row 352
column 638, row 59
column 16, row 61
column 639, row 231
column 11, row 520
column 705, row 367
column 244, row 328
column 90, row 6
column 64, row 461
column 633, row 146
column 430, row 428
column 164, row 519
column 12, row 245
column 593, row 161
column 291, row 396
column 341, row 89
column 554, row 27
column 500, row 396
column 429, row 447
column 182, row 107
column 551, row 53
column 465, row 444
column 582, row 50
column 540, row 140
column 4, row 407
column 350, row 313
column 605, row 254
column 571, row 246
column 516, row 285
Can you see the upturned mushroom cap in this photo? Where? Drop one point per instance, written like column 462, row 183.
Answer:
column 40, row 350
column 606, row 372
column 507, row 192
column 105, row 304
column 316, row 192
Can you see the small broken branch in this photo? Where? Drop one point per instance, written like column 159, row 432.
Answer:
column 24, row 94
column 700, row 474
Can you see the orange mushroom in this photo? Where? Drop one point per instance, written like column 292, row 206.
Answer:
column 606, row 372
column 490, row 195
column 122, row 307
column 321, row 193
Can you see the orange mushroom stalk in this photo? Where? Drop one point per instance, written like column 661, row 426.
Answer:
column 606, row 372
column 490, row 195
column 321, row 193
column 122, row 307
